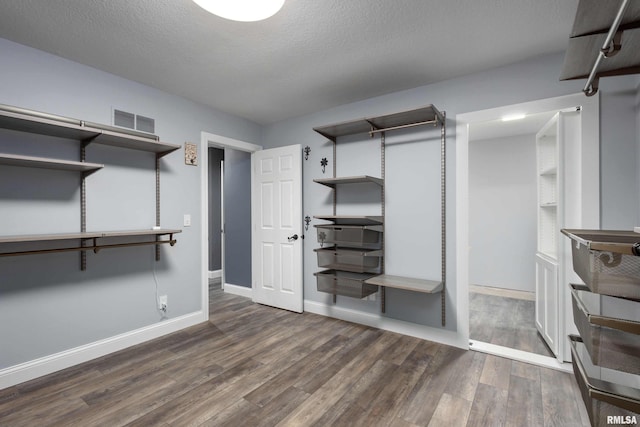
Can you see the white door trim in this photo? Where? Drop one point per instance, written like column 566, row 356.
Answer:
column 223, row 278
column 217, row 141
column 590, row 201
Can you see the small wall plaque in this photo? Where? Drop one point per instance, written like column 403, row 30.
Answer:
column 190, row 154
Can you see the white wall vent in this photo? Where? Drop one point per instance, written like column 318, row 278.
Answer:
column 133, row 121
column 145, row 124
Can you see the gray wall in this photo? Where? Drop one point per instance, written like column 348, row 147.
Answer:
column 47, row 305
column 619, row 185
column 237, row 217
column 502, row 212
column 412, row 223
column 216, row 155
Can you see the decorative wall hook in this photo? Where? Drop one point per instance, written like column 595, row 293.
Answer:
column 324, row 162
column 322, row 236
column 307, row 220
column 307, row 150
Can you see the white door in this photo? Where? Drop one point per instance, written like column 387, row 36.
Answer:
column 277, row 227
column 547, row 301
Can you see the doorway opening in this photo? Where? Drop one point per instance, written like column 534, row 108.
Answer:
column 239, row 150
column 503, row 233
column 477, row 157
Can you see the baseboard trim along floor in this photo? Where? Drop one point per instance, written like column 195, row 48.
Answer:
column 65, row 359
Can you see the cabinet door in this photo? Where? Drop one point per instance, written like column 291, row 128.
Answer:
column 547, row 297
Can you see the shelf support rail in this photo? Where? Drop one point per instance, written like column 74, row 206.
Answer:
column 158, row 203
column 83, row 200
column 443, row 212
column 382, row 211
column 607, row 50
column 335, row 194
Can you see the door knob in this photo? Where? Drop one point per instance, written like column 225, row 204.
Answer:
column 292, row 238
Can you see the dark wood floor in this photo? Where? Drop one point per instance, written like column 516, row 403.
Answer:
column 509, row 322
column 252, row 365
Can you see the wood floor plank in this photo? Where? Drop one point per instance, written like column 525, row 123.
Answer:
column 506, row 321
column 402, row 349
column 237, row 414
column 123, row 404
column 359, row 396
column 32, row 415
column 276, row 410
column 183, row 403
column 335, row 388
column 421, row 403
column 525, row 370
column 36, row 394
column 489, row 407
column 451, row 410
column 524, row 405
column 354, row 347
column 384, row 408
column 496, row 372
column 465, row 378
column 558, row 412
column 303, row 368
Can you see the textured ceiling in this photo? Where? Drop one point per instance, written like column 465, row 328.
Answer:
column 312, row 55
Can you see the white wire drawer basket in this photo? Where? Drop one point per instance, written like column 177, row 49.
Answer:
column 607, row 261
column 353, row 236
column 345, row 283
column 350, row 259
column 607, row 394
column 609, row 327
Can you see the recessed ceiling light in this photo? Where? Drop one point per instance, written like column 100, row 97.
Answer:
column 511, row 117
column 242, row 10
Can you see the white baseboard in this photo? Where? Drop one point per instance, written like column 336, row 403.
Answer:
column 441, row 336
column 46, row 365
column 242, row 291
column 215, row 274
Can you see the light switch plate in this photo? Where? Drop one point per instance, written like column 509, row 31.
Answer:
column 187, row 220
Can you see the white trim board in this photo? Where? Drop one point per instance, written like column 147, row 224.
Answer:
column 590, row 201
column 501, row 292
column 520, row 356
column 46, row 365
column 428, row 333
column 218, row 141
column 215, row 274
column 242, row 291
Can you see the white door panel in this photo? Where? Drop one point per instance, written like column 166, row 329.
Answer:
column 277, row 190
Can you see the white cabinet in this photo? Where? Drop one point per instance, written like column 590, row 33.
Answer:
column 549, row 189
column 563, row 192
column 550, row 204
column 547, row 300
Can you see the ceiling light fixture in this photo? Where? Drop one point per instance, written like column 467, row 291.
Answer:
column 242, row 10
column 511, row 117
